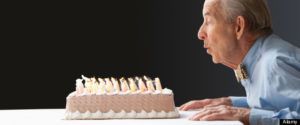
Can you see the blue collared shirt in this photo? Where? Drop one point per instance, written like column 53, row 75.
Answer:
column 273, row 84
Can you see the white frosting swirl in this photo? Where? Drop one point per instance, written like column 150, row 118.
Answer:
column 121, row 115
column 167, row 91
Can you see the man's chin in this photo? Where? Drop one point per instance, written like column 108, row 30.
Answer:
column 215, row 61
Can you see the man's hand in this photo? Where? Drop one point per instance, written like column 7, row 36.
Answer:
column 222, row 112
column 197, row 104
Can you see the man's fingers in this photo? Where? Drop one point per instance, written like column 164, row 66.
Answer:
column 195, row 104
column 215, row 116
column 222, row 112
column 202, row 113
column 210, row 112
column 211, row 105
column 211, row 115
column 197, row 116
column 188, row 106
column 216, row 107
column 204, row 103
column 183, row 105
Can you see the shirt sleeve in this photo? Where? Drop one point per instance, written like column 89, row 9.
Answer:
column 267, row 117
column 239, row 101
column 284, row 76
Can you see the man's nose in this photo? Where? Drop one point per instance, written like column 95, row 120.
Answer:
column 201, row 34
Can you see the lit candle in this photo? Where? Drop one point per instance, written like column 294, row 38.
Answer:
column 87, row 84
column 157, row 84
column 94, row 86
column 150, row 86
column 146, row 78
column 79, row 87
column 124, row 85
column 132, row 85
column 109, row 86
column 101, row 88
column 142, row 86
column 116, row 85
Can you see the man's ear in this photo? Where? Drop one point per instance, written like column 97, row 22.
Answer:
column 239, row 27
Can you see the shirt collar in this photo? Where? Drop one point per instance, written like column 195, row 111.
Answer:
column 253, row 55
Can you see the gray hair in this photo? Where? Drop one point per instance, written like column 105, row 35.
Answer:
column 255, row 12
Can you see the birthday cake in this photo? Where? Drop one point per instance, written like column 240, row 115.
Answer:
column 110, row 98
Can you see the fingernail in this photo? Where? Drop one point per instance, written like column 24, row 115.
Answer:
column 202, row 119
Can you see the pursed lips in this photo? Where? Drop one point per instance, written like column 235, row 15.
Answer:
column 206, row 47
column 205, row 44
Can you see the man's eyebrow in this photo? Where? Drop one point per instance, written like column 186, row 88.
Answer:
column 206, row 14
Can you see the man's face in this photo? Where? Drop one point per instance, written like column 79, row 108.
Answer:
column 218, row 35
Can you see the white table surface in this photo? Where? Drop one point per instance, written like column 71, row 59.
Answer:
column 56, row 117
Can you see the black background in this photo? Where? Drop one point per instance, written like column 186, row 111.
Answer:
column 45, row 47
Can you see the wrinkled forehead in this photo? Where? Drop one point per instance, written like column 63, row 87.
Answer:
column 211, row 8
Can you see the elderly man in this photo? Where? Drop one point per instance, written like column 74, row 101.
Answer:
column 238, row 34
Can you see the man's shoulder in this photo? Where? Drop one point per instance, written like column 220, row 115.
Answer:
column 273, row 44
column 276, row 52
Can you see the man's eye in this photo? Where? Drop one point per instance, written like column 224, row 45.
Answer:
column 207, row 22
